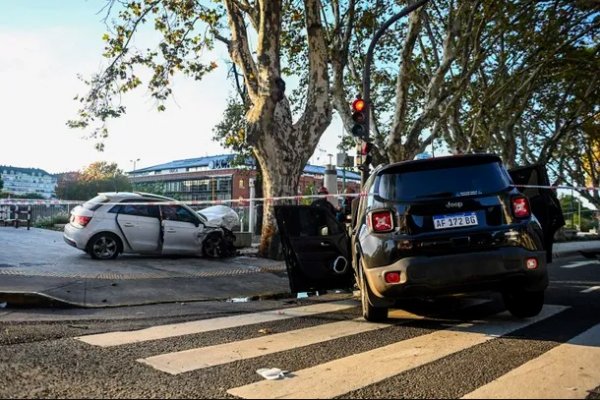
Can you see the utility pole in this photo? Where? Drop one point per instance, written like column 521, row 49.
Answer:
column 366, row 95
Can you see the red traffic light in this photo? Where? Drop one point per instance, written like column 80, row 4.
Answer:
column 358, row 105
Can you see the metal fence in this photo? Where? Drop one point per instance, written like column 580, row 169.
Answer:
column 35, row 212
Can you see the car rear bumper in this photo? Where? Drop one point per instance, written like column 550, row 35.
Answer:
column 499, row 269
column 74, row 237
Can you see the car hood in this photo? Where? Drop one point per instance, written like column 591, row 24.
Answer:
column 221, row 216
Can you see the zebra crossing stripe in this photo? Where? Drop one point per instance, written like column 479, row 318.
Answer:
column 590, row 289
column 192, row 327
column 551, row 375
column 204, row 357
column 344, row 375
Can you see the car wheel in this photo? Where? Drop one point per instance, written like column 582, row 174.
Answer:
column 212, row 246
column 104, row 246
column 370, row 312
column 524, row 304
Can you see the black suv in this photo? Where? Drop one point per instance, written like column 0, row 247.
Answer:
column 437, row 226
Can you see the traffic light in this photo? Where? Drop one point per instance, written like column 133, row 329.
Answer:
column 359, row 116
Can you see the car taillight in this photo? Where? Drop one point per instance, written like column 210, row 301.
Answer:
column 392, row 277
column 531, row 263
column 381, row 221
column 80, row 220
column 520, row 207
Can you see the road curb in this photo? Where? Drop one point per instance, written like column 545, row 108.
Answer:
column 23, row 299
column 32, row 300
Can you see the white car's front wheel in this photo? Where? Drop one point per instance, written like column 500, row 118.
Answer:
column 212, row 245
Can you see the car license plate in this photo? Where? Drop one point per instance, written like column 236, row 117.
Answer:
column 454, row 220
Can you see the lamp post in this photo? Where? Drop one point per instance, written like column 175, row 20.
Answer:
column 134, row 162
column 367, row 70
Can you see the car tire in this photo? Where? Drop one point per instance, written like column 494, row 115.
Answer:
column 522, row 304
column 211, row 247
column 104, row 246
column 370, row 312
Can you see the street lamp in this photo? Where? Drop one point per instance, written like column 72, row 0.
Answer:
column 134, row 161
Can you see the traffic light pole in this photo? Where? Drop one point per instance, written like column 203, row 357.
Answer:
column 364, row 172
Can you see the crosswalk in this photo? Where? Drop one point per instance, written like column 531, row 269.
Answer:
column 567, row 370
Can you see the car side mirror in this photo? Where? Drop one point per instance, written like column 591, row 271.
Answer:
column 324, row 231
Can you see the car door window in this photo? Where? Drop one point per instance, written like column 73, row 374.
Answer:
column 140, row 210
column 178, row 213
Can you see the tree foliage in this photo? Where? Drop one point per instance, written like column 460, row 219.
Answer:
column 99, row 176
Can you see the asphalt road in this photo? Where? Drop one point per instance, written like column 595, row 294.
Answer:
column 448, row 348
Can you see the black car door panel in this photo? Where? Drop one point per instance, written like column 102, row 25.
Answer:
column 316, row 249
column 544, row 202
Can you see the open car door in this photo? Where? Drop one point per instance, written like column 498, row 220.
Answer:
column 544, row 202
column 316, row 249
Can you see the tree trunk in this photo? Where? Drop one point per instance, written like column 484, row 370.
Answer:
column 282, row 160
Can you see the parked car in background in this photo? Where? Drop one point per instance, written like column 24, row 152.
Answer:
column 123, row 222
column 430, row 227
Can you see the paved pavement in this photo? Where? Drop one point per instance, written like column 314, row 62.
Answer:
column 37, row 268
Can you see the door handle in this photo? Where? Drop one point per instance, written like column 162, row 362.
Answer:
column 171, row 231
column 325, row 244
column 128, row 225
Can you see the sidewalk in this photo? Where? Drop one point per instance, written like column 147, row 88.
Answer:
column 62, row 276
column 569, row 249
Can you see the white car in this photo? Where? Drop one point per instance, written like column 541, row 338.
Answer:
column 124, row 222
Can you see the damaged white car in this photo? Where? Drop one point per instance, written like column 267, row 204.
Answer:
column 123, row 222
column 223, row 216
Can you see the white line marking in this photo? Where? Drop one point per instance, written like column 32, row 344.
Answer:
column 204, row 357
column 590, row 289
column 344, row 375
column 568, row 371
column 578, row 264
column 207, row 325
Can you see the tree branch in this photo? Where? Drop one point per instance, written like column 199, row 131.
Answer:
column 239, row 49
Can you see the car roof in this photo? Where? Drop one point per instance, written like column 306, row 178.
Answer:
column 461, row 160
column 119, row 196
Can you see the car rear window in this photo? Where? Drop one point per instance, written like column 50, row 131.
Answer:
column 96, row 202
column 442, row 182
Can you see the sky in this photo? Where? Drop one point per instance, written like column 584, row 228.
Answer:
column 46, row 44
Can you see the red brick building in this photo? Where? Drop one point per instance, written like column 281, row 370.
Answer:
column 215, row 178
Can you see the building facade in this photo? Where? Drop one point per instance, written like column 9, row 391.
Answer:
column 20, row 181
column 216, row 178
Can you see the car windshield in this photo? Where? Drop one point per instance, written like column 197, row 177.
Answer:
column 442, row 182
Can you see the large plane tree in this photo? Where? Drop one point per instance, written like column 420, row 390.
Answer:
column 281, row 144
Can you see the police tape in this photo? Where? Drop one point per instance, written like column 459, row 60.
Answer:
column 247, row 201
column 242, row 201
